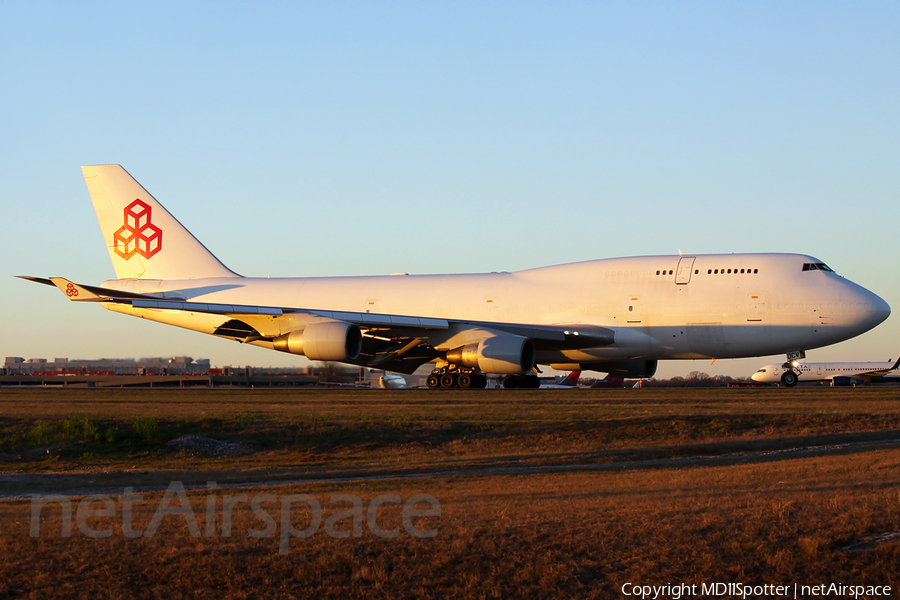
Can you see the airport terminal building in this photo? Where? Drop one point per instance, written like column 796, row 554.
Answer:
column 179, row 365
column 179, row 370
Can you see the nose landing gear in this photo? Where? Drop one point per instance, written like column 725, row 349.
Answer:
column 789, row 379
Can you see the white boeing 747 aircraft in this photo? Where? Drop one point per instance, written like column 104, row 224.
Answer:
column 617, row 316
column 789, row 374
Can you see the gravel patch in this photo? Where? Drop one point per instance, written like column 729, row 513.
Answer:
column 210, row 447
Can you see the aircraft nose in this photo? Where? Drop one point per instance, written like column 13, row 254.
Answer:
column 861, row 309
column 880, row 310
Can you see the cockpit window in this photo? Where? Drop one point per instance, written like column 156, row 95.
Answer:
column 816, row 267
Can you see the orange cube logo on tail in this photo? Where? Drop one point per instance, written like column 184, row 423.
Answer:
column 138, row 235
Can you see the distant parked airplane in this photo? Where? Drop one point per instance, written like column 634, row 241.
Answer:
column 392, row 381
column 609, row 382
column 861, row 372
column 618, row 316
column 569, row 382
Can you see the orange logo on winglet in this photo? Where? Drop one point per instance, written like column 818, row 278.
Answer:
column 138, row 235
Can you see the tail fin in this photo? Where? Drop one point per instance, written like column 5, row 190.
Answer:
column 144, row 240
column 571, row 378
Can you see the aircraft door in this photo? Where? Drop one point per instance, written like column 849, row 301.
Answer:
column 756, row 304
column 634, row 310
column 685, row 267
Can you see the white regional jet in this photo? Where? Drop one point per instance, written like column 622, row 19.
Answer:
column 617, row 316
column 789, row 374
column 390, row 381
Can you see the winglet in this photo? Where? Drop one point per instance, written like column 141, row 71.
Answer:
column 92, row 293
column 896, row 364
column 74, row 291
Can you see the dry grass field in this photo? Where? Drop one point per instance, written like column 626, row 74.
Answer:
column 542, row 494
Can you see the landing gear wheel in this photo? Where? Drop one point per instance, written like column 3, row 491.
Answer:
column 433, row 382
column 789, row 379
column 510, row 382
column 479, row 380
column 466, row 381
column 448, row 380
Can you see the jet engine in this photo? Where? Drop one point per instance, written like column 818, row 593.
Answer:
column 507, row 354
column 328, row 340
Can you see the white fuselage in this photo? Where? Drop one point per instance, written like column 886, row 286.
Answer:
column 389, row 381
column 660, row 307
column 825, row 371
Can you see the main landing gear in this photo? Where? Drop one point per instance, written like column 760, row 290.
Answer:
column 449, row 378
column 446, row 379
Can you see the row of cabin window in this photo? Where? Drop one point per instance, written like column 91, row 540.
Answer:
column 710, row 271
column 722, row 271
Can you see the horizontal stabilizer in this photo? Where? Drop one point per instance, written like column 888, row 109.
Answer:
column 89, row 293
column 74, row 291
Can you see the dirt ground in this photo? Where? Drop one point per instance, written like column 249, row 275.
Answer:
column 527, row 494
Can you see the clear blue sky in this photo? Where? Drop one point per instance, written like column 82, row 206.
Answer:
column 339, row 138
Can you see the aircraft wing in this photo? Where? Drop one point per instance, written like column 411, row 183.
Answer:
column 391, row 342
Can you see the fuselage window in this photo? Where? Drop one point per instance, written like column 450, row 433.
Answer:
column 657, row 272
column 709, row 272
column 717, row 272
column 755, row 271
column 696, row 271
column 729, row 271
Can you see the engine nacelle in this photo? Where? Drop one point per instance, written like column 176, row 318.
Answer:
column 506, row 354
column 329, row 340
column 637, row 369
